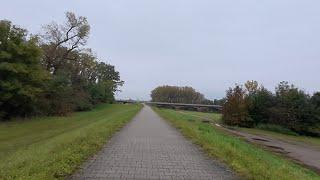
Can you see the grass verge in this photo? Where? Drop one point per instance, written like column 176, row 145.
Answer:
column 277, row 129
column 54, row 147
column 247, row 160
column 214, row 117
column 263, row 130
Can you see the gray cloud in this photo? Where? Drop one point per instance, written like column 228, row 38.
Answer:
column 207, row 44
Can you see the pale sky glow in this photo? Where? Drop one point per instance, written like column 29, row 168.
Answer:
column 207, row 44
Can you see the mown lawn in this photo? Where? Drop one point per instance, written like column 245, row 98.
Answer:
column 249, row 161
column 54, row 147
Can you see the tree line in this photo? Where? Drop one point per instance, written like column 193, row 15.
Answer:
column 251, row 104
column 52, row 73
column 175, row 94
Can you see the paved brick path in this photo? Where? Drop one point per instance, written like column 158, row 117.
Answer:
column 148, row 148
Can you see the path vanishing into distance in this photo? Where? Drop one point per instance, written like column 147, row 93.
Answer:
column 149, row 148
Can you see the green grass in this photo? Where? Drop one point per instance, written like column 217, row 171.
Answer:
column 54, row 147
column 265, row 130
column 215, row 117
column 276, row 128
column 247, row 160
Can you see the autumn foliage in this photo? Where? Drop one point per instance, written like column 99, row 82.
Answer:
column 289, row 107
column 175, row 94
column 52, row 73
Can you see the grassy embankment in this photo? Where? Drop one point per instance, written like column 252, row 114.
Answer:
column 295, row 139
column 247, row 160
column 54, row 147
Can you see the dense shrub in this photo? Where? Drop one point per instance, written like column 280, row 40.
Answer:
column 295, row 110
column 235, row 109
column 289, row 108
column 21, row 74
column 316, row 99
column 57, row 96
column 259, row 104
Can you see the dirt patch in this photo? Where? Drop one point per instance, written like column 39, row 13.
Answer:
column 259, row 139
column 300, row 152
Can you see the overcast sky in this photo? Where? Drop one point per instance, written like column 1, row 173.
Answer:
column 207, row 44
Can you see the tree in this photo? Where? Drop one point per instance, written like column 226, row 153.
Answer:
column 57, row 97
column 315, row 100
column 174, row 94
column 61, row 45
column 259, row 104
column 252, row 87
column 235, row 109
column 219, row 101
column 259, row 100
column 289, row 107
column 83, row 80
column 59, row 41
column 294, row 109
column 21, row 75
column 52, row 74
column 107, row 81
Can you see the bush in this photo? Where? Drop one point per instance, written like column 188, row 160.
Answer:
column 294, row 109
column 259, row 104
column 81, row 100
column 235, row 109
column 21, row 74
column 289, row 109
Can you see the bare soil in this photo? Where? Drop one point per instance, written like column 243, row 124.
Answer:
column 303, row 153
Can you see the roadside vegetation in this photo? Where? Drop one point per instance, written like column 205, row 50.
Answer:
column 247, row 160
column 52, row 73
column 289, row 110
column 268, row 130
column 54, row 147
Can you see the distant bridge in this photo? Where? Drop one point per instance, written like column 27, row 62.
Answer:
column 197, row 107
column 127, row 101
column 182, row 106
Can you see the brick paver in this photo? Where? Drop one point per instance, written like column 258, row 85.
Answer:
column 148, row 148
